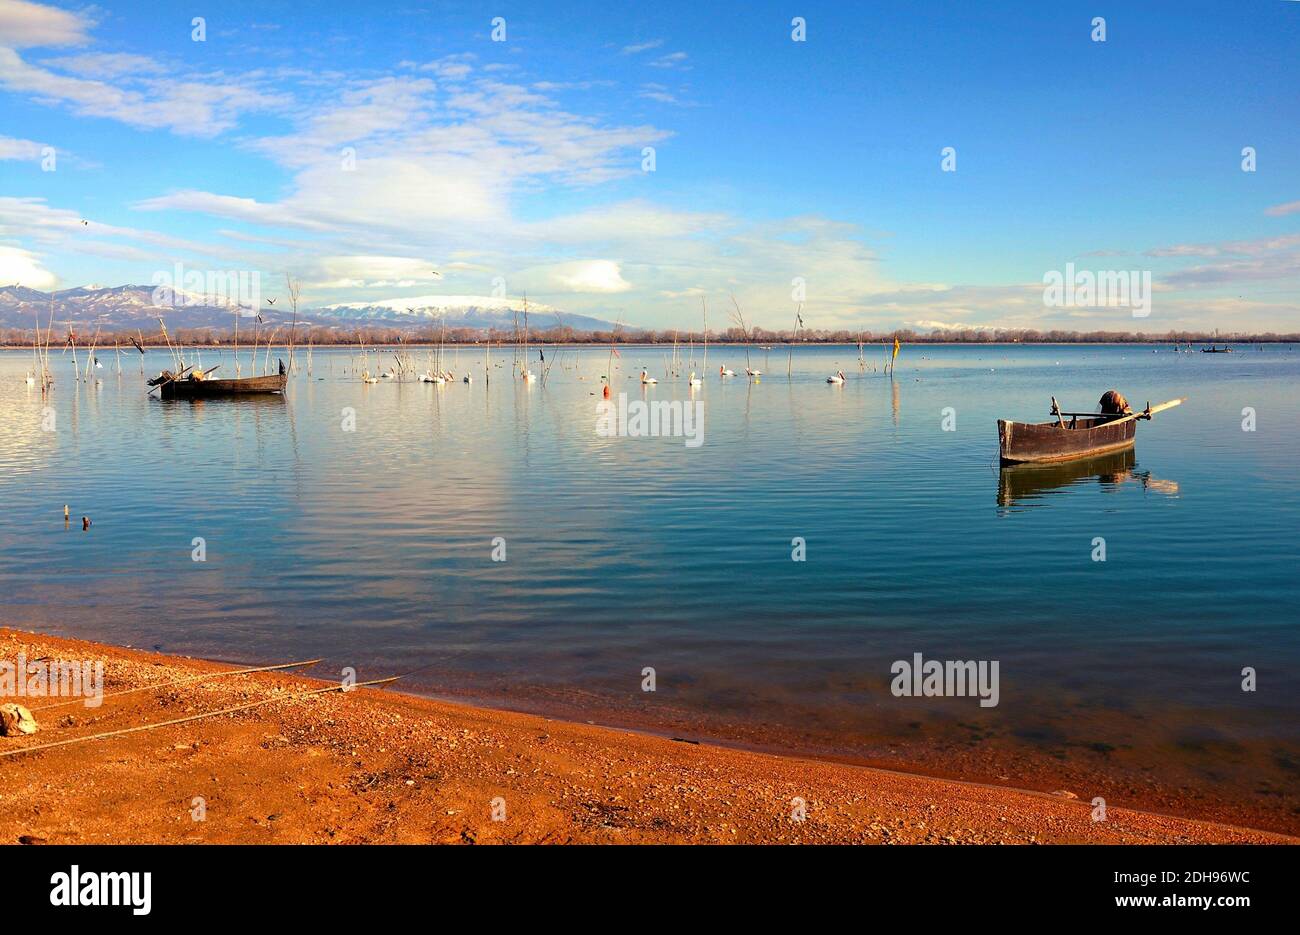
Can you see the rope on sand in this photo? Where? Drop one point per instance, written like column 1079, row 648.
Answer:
column 194, row 717
column 190, row 678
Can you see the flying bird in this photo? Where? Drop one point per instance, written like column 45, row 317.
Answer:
column 270, row 301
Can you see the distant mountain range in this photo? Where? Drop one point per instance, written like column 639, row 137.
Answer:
column 460, row 311
column 128, row 308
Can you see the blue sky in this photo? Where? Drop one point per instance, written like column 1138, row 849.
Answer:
column 517, row 164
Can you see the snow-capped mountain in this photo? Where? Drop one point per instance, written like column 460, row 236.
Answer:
column 459, row 311
column 110, row 309
column 131, row 307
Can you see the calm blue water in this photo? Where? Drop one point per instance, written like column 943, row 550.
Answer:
column 374, row 549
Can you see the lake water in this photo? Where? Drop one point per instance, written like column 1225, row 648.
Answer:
column 374, row 548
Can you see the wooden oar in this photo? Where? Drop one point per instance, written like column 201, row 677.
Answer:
column 1150, row 410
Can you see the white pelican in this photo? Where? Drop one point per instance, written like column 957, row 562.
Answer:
column 724, row 372
column 646, row 379
column 838, row 377
column 385, row 375
column 693, row 380
column 753, row 373
column 528, row 376
column 367, row 378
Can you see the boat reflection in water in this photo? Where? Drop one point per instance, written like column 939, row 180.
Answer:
column 1021, row 484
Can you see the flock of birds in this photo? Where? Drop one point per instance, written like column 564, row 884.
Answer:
column 429, row 376
column 724, row 372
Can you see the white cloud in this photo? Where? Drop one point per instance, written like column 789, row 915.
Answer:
column 24, row 24
column 626, row 223
column 451, row 67
column 11, row 148
column 671, row 60
column 1291, row 207
column 24, row 267
column 191, row 108
column 642, row 46
column 33, row 219
column 107, row 65
column 592, row 276
column 658, row 92
column 431, row 166
column 228, row 206
column 371, row 272
column 1183, row 250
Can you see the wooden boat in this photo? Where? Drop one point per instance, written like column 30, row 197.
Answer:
column 1086, row 435
column 1216, row 350
column 173, row 386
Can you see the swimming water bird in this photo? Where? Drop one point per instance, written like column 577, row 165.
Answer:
column 838, row 377
column 647, row 379
column 693, row 380
column 724, row 372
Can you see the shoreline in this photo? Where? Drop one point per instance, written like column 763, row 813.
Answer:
column 883, row 344
column 373, row 766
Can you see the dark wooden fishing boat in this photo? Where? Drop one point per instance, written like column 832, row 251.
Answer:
column 1216, row 350
column 182, row 386
column 1085, row 435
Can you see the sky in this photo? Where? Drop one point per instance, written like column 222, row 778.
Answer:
column 624, row 160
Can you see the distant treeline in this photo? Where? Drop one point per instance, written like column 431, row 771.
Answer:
column 371, row 335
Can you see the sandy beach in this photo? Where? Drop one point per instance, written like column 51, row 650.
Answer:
column 379, row 766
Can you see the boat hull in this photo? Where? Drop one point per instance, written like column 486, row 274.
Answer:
column 209, row 389
column 1047, row 442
